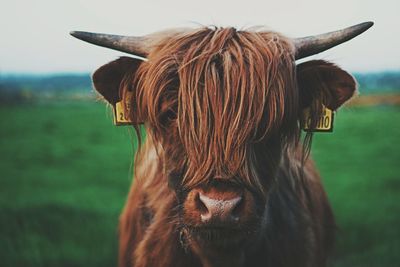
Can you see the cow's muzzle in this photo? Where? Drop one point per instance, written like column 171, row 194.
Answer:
column 221, row 205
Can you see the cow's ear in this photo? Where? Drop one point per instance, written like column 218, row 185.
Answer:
column 323, row 82
column 109, row 79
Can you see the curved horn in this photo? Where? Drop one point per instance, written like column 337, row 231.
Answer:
column 128, row 44
column 312, row 45
column 135, row 45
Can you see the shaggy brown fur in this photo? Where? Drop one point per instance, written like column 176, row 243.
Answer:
column 222, row 109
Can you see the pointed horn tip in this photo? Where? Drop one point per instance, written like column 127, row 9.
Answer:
column 74, row 33
column 369, row 23
column 79, row 34
column 366, row 25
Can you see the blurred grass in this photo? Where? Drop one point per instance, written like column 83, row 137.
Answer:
column 360, row 165
column 65, row 173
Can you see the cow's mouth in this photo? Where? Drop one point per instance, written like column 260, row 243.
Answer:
column 220, row 238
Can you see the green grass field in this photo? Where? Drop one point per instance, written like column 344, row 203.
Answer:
column 65, row 173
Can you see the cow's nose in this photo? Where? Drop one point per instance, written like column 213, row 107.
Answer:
column 222, row 210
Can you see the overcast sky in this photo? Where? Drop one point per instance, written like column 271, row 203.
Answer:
column 34, row 33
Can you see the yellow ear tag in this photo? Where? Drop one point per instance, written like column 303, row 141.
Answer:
column 122, row 111
column 325, row 121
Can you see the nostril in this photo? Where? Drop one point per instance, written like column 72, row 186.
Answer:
column 200, row 204
column 237, row 209
column 233, row 208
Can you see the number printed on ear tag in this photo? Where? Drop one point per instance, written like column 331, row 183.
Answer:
column 122, row 110
column 121, row 114
column 325, row 121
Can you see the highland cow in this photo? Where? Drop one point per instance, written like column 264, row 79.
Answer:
column 223, row 177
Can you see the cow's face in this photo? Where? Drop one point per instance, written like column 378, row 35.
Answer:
column 223, row 107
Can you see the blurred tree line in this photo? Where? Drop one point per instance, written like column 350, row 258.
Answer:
column 24, row 88
column 378, row 82
column 18, row 88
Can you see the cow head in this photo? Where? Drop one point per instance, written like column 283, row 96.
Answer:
column 223, row 107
